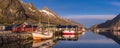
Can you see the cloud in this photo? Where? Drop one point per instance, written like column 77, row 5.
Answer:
column 115, row 3
column 101, row 17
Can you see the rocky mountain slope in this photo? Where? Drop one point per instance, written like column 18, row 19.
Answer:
column 11, row 10
column 114, row 23
column 18, row 12
column 110, row 23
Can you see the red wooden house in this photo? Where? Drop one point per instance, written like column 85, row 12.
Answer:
column 24, row 28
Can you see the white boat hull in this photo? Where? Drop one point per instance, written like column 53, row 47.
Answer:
column 37, row 36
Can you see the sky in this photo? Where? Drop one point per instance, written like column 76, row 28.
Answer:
column 81, row 9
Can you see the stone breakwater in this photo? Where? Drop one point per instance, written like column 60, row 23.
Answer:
column 7, row 36
column 18, row 44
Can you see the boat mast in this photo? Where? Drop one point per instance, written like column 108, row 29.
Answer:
column 39, row 21
column 48, row 22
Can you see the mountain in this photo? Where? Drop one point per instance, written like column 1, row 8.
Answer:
column 110, row 23
column 114, row 23
column 16, row 11
column 11, row 10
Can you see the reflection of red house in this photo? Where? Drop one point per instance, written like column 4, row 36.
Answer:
column 24, row 28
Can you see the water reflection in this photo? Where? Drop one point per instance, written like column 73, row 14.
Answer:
column 44, row 44
column 18, row 44
column 71, row 41
column 113, row 35
column 29, row 44
column 50, row 43
column 66, row 37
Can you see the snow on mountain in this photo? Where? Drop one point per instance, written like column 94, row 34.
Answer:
column 47, row 12
column 31, row 9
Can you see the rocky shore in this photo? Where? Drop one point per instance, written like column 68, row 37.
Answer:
column 7, row 36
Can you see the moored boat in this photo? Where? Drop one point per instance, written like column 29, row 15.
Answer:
column 38, row 35
column 68, row 29
column 36, row 31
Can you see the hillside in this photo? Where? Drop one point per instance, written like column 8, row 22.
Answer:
column 16, row 11
column 114, row 23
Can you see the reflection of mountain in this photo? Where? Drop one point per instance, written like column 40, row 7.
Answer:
column 113, row 35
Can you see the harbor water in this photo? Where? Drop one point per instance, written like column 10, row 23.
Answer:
column 85, row 40
column 89, row 40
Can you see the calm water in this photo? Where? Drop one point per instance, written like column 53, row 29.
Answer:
column 87, row 40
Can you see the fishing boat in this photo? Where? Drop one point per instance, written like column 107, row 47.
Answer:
column 40, row 35
column 34, row 30
column 68, row 32
column 67, row 37
column 44, row 34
